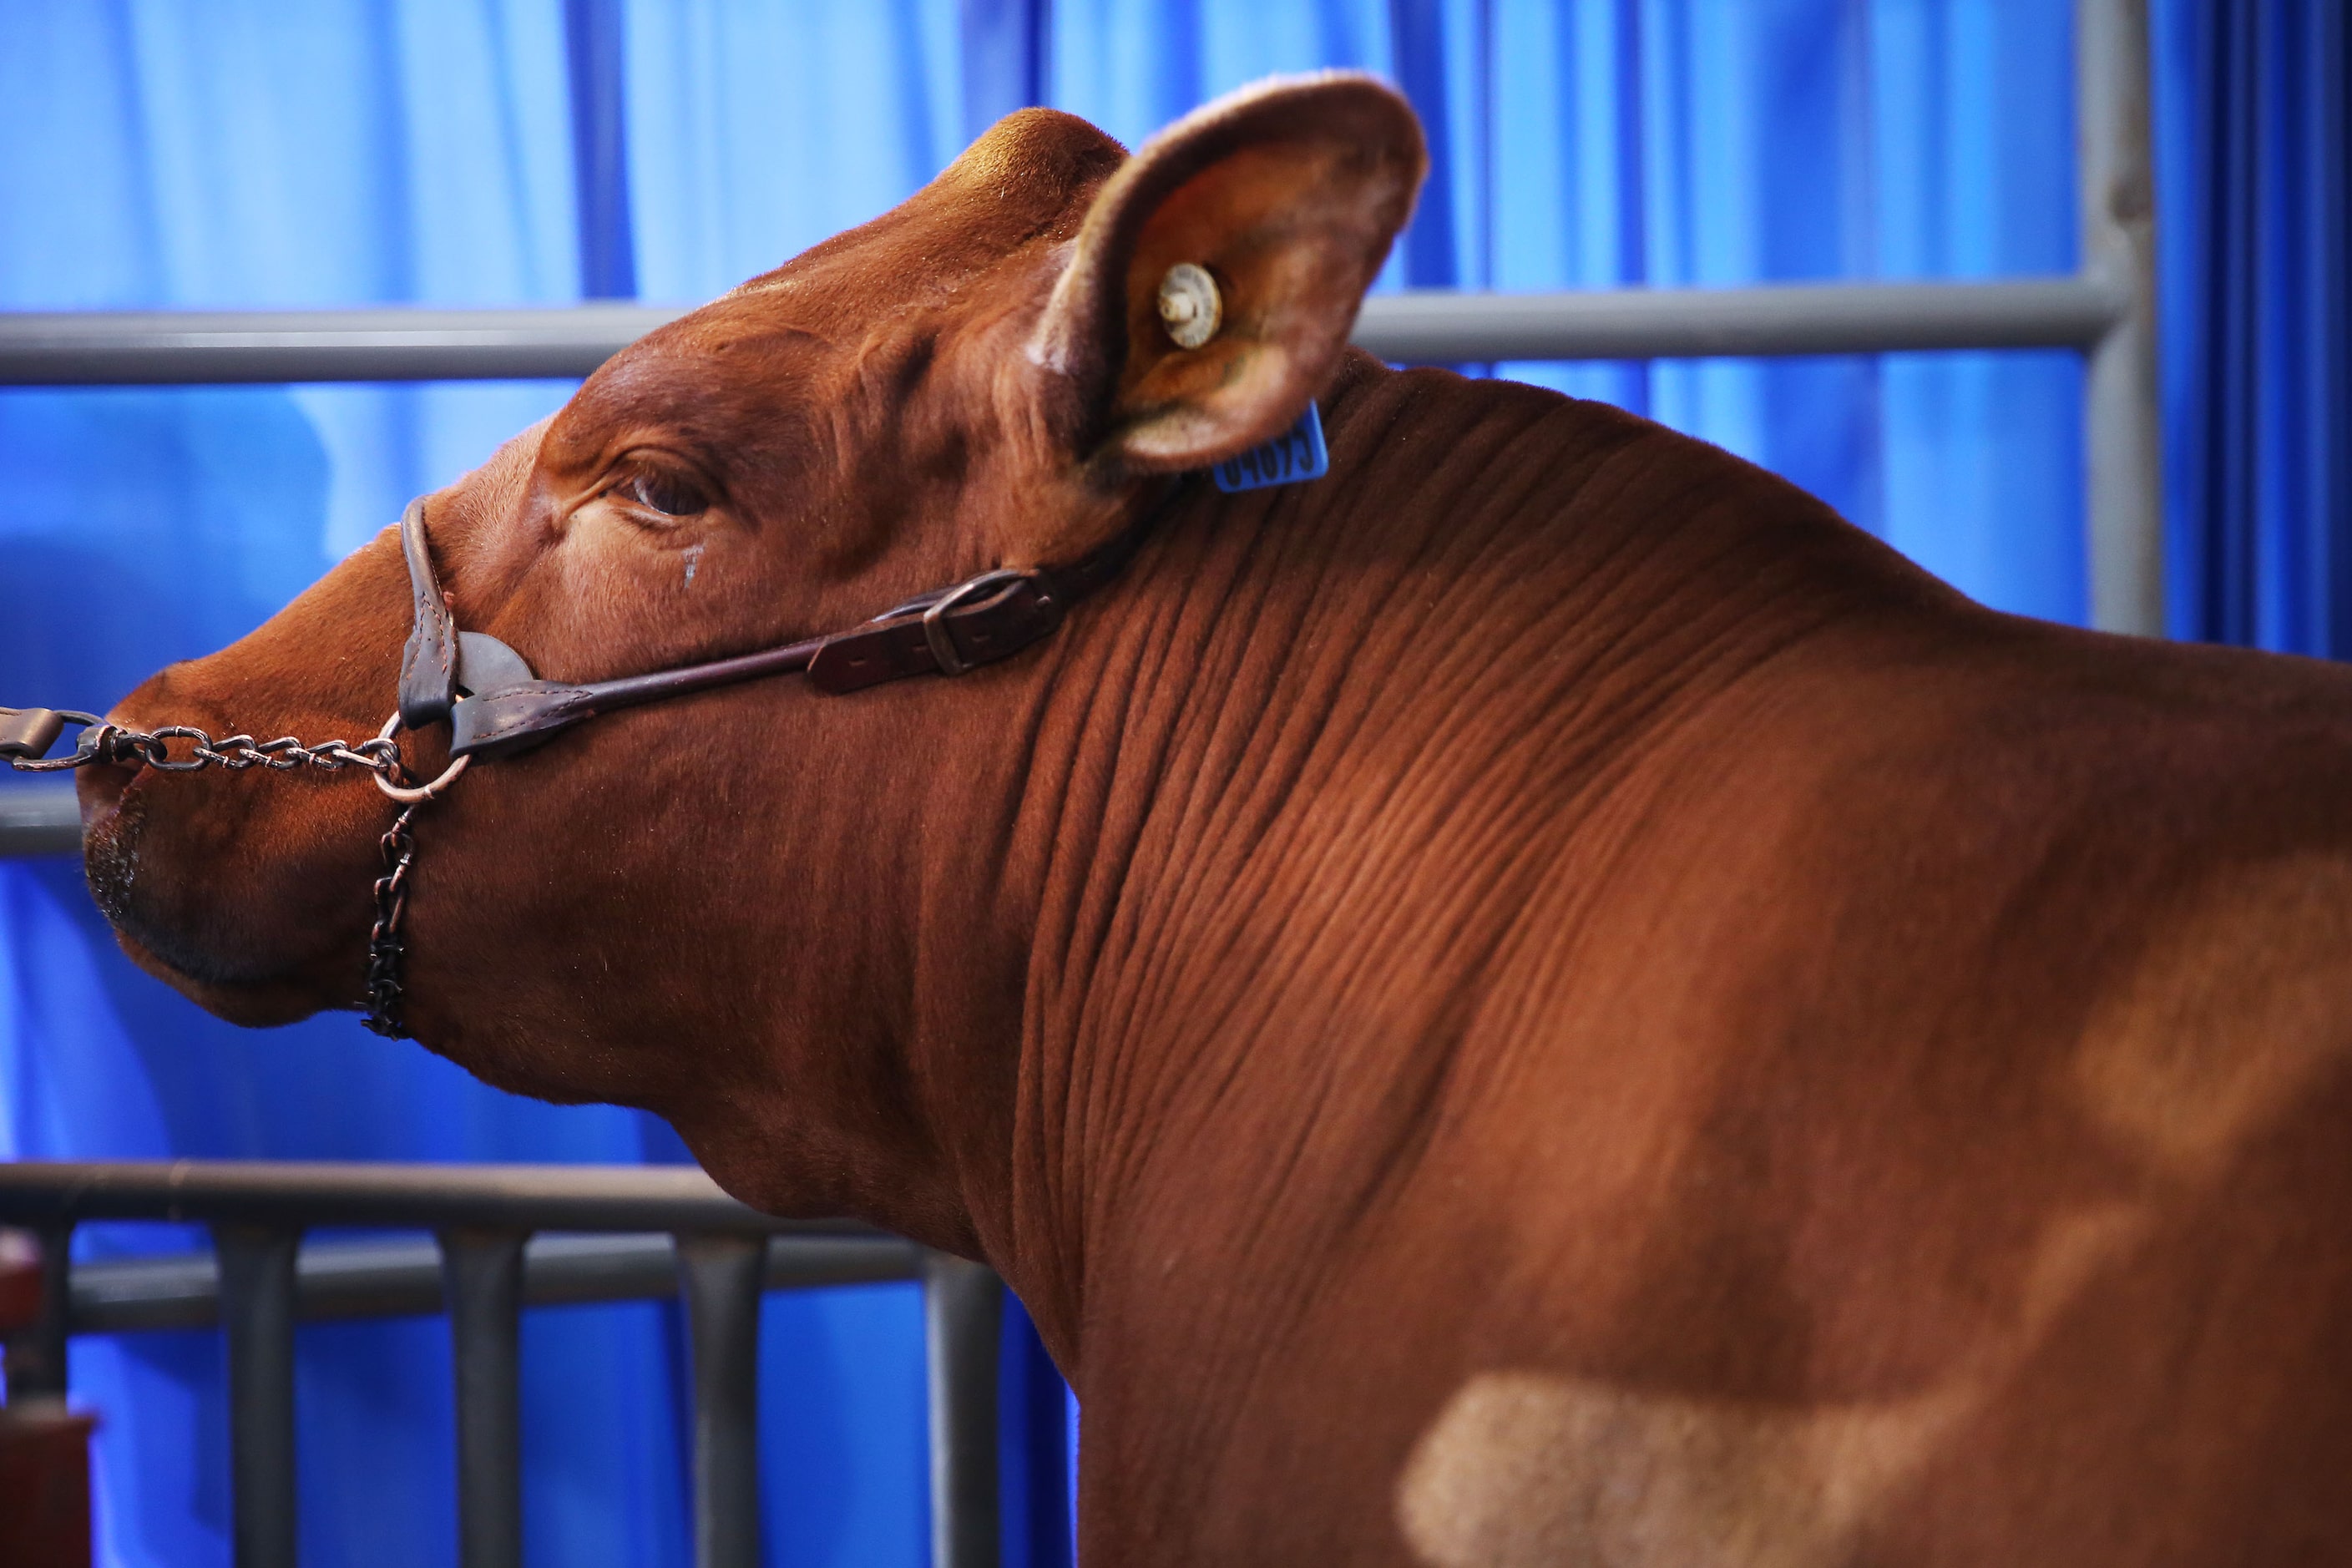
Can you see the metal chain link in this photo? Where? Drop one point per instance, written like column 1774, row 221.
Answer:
column 398, row 848
column 238, row 752
column 110, row 744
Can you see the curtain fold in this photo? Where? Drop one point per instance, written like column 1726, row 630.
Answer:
column 2253, row 149
column 235, row 152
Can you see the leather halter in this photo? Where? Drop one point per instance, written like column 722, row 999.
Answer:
column 496, row 705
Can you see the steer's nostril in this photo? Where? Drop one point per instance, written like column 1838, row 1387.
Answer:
column 100, row 788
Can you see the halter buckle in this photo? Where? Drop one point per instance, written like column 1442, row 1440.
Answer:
column 944, row 652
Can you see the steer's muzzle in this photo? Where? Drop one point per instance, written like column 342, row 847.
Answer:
column 247, row 894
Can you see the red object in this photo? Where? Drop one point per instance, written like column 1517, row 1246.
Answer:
column 20, row 1292
column 44, row 1487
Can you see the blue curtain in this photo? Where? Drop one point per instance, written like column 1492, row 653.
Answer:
column 1615, row 143
column 238, row 152
column 2252, row 148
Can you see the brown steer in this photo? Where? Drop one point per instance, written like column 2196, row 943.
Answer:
column 1536, row 999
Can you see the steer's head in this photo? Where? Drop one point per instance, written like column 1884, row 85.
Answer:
column 980, row 378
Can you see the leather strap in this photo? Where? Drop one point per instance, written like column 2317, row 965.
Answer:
column 948, row 634
column 992, row 617
column 428, row 664
column 948, row 631
column 29, row 732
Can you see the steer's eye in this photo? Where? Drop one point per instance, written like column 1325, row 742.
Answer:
column 666, row 493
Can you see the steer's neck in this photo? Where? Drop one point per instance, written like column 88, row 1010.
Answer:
column 1286, row 779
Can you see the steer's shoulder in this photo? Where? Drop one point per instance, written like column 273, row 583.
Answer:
column 1960, row 1061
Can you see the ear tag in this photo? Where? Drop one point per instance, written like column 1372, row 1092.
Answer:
column 1295, row 455
column 1190, row 307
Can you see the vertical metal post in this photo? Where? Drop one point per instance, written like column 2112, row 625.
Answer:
column 719, row 1276
column 2123, row 421
column 37, row 1360
column 257, row 1302
column 481, row 1273
column 964, row 1318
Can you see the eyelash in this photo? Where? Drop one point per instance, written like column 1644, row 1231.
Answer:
column 664, row 494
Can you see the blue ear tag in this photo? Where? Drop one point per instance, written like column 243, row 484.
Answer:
column 1295, row 455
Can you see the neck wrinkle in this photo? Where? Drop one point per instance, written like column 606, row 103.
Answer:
column 1297, row 707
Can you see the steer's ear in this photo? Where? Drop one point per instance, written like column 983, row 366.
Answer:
column 1286, row 195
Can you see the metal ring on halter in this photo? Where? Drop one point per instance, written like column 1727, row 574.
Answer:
column 422, row 792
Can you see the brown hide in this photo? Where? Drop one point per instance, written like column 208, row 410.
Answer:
column 1538, row 999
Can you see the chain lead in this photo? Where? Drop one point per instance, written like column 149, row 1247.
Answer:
column 238, row 752
column 110, row 744
column 384, row 946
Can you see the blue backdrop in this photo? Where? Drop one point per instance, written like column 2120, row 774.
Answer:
column 239, row 152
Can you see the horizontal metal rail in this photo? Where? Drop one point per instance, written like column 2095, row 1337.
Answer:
column 166, row 347
column 37, row 1193
column 1699, row 323
column 483, row 1265
column 39, row 819
column 340, row 1281
column 77, row 348
column 1424, row 327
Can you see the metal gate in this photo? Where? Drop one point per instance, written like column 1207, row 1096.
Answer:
column 506, row 1237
